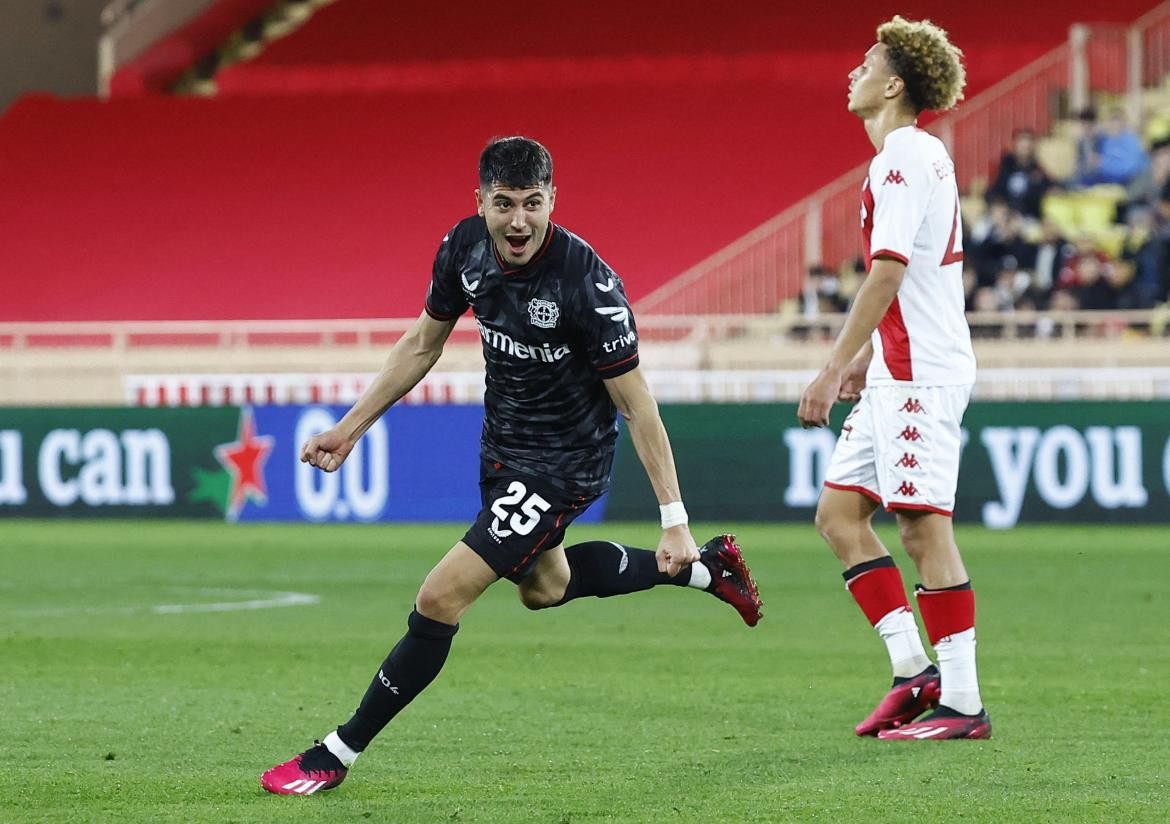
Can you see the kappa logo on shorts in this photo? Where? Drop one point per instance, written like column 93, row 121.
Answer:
column 908, row 489
column 910, row 433
column 912, row 406
column 909, row 461
column 543, row 313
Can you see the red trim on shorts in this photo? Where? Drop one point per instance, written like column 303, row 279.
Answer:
column 876, row 498
column 536, row 548
column 920, row 508
column 896, row 343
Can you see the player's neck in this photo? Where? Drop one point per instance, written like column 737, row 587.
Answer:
column 885, row 121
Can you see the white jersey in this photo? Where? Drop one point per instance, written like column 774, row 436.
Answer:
column 910, row 211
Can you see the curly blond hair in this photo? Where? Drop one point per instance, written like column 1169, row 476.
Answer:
column 929, row 64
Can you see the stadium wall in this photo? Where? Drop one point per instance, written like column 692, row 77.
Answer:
column 1022, row 462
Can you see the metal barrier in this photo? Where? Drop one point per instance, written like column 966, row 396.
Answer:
column 126, row 336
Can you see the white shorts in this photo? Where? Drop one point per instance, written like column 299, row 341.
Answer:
column 900, row 446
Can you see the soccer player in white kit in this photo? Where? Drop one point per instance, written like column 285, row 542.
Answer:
column 904, row 355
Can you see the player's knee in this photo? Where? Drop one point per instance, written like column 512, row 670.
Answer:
column 437, row 604
column 538, row 597
column 918, row 539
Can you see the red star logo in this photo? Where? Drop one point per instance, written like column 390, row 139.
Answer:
column 244, row 460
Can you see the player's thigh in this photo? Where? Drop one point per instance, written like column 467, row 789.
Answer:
column 454, row 584
column 853, row 465
column 547, row 582
column 924, row 532
column 843, row 517
column 523, row 517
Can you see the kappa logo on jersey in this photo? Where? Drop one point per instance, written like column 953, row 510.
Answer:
column 895, row 177
column 909, row 461
column 944, row 168
column 910, row 433
column 618, row 314
column 604, row 287
column 468, row 286
column 912, row 406
column 543, row 313
column 908, row 489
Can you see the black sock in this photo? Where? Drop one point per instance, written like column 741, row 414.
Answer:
column 408, row 669
column 604, row 569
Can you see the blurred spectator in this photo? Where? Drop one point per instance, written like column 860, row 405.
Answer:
column 998, row 234
column 1089, row 277
column 1011, row 285
column 1112, row 153
column 1146, row 188
column 1141, row 254
column 1164, row 202
column 1020, row 182
column 1052, row 254
column 822, row 293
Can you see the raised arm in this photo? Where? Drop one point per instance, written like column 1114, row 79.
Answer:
column 411, row 357
column 633, row 400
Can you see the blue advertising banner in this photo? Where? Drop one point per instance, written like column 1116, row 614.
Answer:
column 417, row 463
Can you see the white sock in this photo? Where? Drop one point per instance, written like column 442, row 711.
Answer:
column 700, row 576
column 344, row 754
column 900, row 632
column 956, row 663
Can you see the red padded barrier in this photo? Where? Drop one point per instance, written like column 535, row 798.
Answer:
column 332, row 205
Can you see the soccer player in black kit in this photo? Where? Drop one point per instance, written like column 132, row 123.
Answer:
column 562, row 357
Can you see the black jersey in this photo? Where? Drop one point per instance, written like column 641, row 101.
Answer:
column 552, row 330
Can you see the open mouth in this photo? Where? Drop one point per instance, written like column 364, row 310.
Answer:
column 517, row 243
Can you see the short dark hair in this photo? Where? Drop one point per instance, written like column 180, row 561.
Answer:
column 515, row 162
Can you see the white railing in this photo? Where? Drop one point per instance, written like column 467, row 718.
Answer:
column 766, row 267
column 124, row 336
column 668, row 386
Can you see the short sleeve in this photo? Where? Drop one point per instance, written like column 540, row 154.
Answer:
column 603, row 323
column 445, row 298
column 901, row 191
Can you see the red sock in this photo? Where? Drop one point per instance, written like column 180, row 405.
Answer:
column 946, row 612
column 877, row 587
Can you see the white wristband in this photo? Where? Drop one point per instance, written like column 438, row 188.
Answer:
column 673, row 514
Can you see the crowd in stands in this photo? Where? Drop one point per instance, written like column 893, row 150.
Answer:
column 1095, row 240
column 1096, row 237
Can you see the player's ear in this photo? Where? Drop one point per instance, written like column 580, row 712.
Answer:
column 552, row 199
column 894, row 86
column 479, row 201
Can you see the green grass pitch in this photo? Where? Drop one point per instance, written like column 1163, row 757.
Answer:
column 655, row 707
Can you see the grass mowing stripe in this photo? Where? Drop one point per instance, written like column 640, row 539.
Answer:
column 659, row 706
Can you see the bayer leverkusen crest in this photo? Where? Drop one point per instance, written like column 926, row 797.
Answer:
column 543, row 313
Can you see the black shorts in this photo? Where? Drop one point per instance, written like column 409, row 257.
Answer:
column 522, row 516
